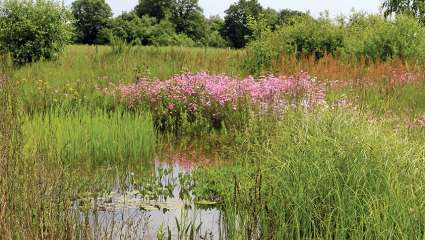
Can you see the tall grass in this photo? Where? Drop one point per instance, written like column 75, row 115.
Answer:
column 99, row 137
column 325, row 175
column 39, row 157
column 35, row 200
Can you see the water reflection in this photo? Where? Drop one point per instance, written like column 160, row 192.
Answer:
column 161, row 208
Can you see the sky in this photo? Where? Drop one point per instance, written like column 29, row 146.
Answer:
column 217, row 7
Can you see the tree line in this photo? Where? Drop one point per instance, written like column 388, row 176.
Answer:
column 39, row 29
column 172, row 22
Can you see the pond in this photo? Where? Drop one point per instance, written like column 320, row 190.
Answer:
column 162, row 207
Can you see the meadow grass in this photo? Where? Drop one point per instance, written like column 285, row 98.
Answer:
column 84, row 73
column 332, row 174
column 99, row 138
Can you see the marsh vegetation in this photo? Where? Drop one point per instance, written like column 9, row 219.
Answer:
column 316, row 130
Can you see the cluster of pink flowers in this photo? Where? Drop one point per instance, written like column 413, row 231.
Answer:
column 204, row 91
column 401, row 76
column 421, row 121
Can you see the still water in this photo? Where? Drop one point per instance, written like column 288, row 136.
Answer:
column 163, row 207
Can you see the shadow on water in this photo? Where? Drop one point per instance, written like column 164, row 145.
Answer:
column 160, row 207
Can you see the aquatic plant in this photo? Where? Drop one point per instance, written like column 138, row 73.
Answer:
column 99, row 137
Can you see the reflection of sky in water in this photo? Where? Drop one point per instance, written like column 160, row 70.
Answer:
column 123, row 218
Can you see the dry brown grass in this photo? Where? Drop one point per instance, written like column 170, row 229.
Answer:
column 333, row 69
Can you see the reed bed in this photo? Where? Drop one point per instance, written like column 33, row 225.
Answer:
column 99, row 137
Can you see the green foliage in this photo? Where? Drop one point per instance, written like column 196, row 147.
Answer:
column 33, row 30
column 216, row 40
column 147, row 31
column 275, row 19
column 130, row 27
column 188, row 18
column 213, row 36
column 312, row 37
column 159, row 9
column 368, row 37
column 165, row 35
column 375, row 38
column 91, row 17
column 288, row 16
column 185, row 15
column 235, row 27
column 306, row 36
column 414, row 8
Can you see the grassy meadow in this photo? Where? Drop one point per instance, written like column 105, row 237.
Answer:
column 337, row 154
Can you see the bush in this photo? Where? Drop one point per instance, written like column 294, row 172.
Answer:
column 147, row 31
column 369, row 37
column 216, row 40
column 164, row 34
column 131, row 28
column 306, row 36
column 373, row 37
column 31, row 31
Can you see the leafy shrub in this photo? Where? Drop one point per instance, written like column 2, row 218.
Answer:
column 306, row 36
column 164, row 34
column 147, row 31
column 33, row 30
column 374, row 37
column 216, row 40
column 130, row 27
column 367, row 37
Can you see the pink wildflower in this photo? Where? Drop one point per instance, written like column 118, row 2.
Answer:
column 171, row 106
column 203, row 91
column 421, row 121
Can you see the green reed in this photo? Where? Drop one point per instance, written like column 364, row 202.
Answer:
column 97, row 137
column 332, row 174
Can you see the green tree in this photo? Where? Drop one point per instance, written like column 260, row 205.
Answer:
column 287, row 16
column 415, row 8
column 270, row 17
column 33, row 30
column 235, row 27
column 185, row 15
column 188, row 18
column 214, row 38
column 91, row 17
column 146, row 30
column 159, row 9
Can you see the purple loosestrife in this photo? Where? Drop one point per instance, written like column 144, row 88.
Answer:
column 421, row 121
column 202, row 91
